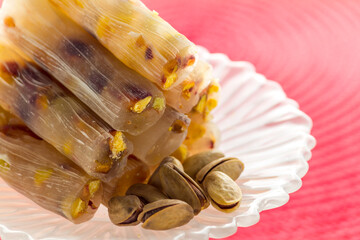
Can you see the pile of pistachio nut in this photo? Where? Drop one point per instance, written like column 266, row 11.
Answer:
column 176, row 192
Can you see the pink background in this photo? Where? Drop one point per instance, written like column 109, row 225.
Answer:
column 312, row 48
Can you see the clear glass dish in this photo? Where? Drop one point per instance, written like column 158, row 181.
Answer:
column 258, row 123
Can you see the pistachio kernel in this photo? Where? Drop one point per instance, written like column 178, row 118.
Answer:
column 140, row 41
column 178, row 126
column 170, row 75
column 78, row 207
column 41, row 175
column 9, row 22
column 103, row 167
column 200, row 107
column 42, row 102
column 187, row 89
column 78, row 3
column 213, row 88
column 191, row 61
column 94, row 186
column 169, row 80
column 68, row 148
column 211, row 104
column 181, row 153
column 141, row 105
column 103, row 27
column 4, row 165
column 159, row 104
column 117, row 145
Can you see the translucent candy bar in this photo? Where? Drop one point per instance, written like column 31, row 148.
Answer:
column 58, row 117
column 137, row 36
column 162, row 139
column 124, row 99
column 202, row 135
column 186, row 95
column 35, row 169
column 135, row 171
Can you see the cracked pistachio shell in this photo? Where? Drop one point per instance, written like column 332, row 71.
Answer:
column 178, row 185
column 166, row 214
column 155, row 178
column 124, row 210
column 224, row 193
column 232, row 167
column 147, row 193
column 193, row 164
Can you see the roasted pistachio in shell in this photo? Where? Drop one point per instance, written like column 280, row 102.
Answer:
column 193, row 164
column 178, row 185
column 155, row 178
column 224, row 193
column 124, row 210
column 232, row 167
column 147, row 193
column 166, row 214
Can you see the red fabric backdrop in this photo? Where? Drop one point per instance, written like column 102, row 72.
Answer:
column 312, row 48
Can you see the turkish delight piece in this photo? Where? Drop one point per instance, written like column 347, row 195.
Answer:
column 161, row 139
column 137, row 36
column 38, row 171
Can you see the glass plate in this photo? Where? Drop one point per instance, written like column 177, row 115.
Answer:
column 258, row 123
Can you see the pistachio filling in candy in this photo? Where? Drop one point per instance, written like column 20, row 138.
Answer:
column 58, row 117
column 187, row 94
column 137, row 36
column 120, row 96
